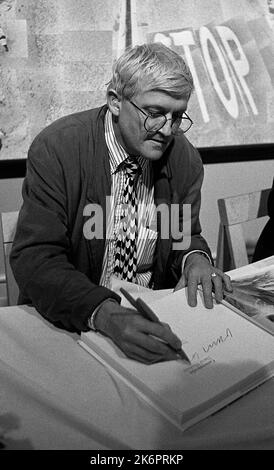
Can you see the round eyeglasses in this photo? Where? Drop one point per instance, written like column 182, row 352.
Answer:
column 155, row 121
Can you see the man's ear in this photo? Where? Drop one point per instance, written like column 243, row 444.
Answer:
column 114, row 102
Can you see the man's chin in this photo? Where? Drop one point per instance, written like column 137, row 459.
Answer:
column 154, row 151
column 153, row 155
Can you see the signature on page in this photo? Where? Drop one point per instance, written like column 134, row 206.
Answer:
column 198, row 362
column 218, row 341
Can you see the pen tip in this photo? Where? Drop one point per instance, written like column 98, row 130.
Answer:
column 183, row 356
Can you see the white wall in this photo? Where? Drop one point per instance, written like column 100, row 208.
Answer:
column 10, row 194
column 228, row 179
column 10, row 200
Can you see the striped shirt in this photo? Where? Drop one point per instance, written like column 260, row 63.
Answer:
column 147, row 234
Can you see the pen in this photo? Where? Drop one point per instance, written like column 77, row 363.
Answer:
column 148, row 313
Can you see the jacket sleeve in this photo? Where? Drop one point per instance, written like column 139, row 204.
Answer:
column 188, row 196
column 41, row 253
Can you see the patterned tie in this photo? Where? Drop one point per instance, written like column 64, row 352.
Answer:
column 126, row 246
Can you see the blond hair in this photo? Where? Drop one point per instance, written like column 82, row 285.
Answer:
column 150, row 67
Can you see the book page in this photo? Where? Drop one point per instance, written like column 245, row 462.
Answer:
column 148, row 295
column 253, row 292
column 229, row 355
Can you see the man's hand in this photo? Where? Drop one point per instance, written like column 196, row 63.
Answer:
column 198, row 270
column 137, row 337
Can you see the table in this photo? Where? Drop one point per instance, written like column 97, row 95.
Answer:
column 54, row 395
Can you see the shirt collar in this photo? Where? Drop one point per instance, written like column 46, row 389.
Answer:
column 117, row 154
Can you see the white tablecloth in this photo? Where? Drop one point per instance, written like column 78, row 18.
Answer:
column 54, row 395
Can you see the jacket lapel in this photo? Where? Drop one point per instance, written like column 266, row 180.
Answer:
column 99, row 187
column 162, row 195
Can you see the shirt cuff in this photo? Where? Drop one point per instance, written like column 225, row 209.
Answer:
column 91, row 320
column 190, row 253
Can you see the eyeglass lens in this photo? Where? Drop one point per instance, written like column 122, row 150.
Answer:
column 153, row 124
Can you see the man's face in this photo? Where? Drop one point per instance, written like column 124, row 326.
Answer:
column 130, row 130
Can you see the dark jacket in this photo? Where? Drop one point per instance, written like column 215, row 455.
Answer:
column 265, row 244
column 56, row 267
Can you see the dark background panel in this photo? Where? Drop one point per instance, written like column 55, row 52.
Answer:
column 210, row 155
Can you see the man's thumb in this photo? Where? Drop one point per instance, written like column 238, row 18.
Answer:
column 182, row 283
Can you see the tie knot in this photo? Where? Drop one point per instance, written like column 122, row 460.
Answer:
column 131, row 166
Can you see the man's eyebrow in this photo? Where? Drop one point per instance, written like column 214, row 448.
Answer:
column 157, row 107
column 161, row 109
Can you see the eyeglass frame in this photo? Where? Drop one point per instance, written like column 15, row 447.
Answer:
column 166, row 119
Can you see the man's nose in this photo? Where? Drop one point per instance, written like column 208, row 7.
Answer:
column 166, row 130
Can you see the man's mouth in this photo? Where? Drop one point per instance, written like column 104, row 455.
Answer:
column 159, row 141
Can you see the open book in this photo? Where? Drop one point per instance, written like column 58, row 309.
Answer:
column 253, row 293
column 229, row 356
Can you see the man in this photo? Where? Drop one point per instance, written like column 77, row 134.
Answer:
column 73, row 165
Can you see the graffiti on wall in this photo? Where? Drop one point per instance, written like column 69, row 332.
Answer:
column 229, row 47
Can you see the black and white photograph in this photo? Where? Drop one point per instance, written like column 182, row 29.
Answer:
column 136, row 231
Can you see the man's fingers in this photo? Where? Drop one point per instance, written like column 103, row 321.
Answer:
column 182, row 283
column 218, row 287
column 227, row 283
column 221, row 283
column 192, row 291
column 149, row 351
column 162, row 332
column 207, row 292
column 139, row 354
